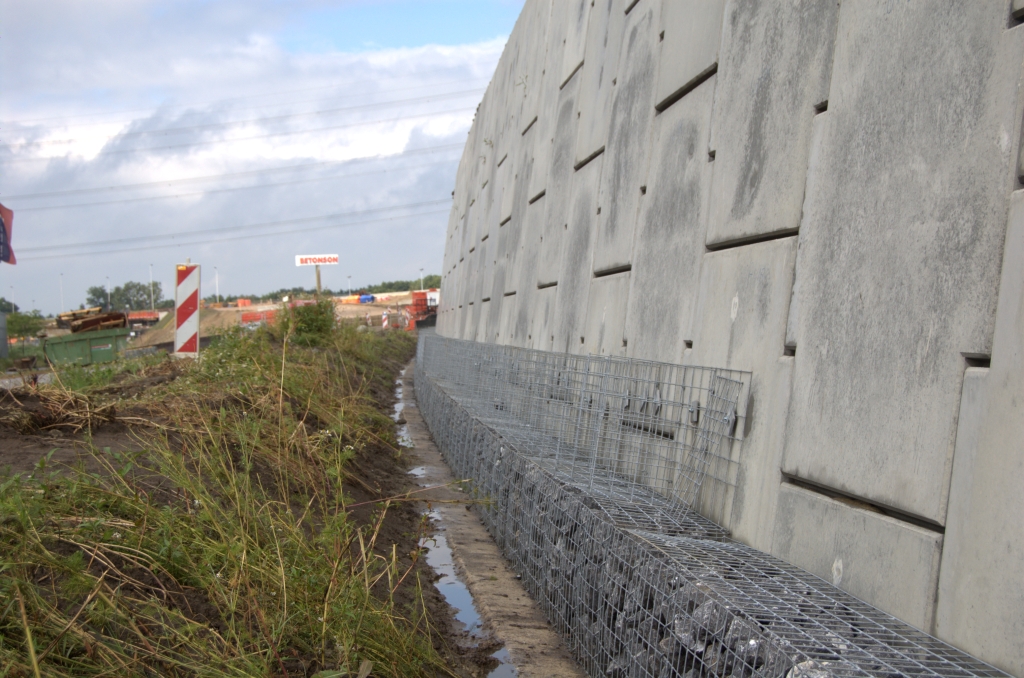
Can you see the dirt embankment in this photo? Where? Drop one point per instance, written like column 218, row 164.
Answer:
column 102, row 429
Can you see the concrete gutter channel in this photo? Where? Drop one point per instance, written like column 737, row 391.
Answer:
column 487, row 595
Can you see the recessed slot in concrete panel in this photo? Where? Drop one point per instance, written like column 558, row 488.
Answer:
column 900, row 247
column 670, row 231
column 775, row 66
column 885, row 562
column 629, row 139
column 604, row 36
column 692, row 30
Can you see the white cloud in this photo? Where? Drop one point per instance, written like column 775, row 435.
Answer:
column 155, row 92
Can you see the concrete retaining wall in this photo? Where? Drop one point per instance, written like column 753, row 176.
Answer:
column 825, row 194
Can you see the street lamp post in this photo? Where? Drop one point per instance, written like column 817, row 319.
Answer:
column 350, row 285
column 421, row 278
column 152, row 300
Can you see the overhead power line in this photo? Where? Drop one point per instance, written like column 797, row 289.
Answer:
column 215, row 177
column 233, row 123
column 232, row 189
column 241, row 237
column 227, row 229
column 213, row 102
column 213, row 142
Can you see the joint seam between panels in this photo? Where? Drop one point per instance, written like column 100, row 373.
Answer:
column 574, row 72
column 578, row 166
column 752, row 240
column 537, row 197
column 625, row 268
column 693, row 84
column 544, row 286
column 863, row 504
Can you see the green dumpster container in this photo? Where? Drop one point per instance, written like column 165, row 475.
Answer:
column 86, row 348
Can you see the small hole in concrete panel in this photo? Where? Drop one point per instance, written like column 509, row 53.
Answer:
column 789, row 350
column 977, row 360
column 711, row 156
column 566, row 227
column 623, row 343
column 643, row 190
column 581, row 340
column 529, row 336
column 688, row 343
column 661, row 36
column 821, row 106
column 598, row 210
column 615, row 81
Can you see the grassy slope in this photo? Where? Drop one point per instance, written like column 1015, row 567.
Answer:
column 226, row 549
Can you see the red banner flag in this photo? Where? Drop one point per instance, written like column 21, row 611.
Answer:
column 6, row 226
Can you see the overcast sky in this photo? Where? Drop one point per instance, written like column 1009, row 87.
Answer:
column 237, row 133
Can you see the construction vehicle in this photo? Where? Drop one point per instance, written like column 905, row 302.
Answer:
column 422, row 311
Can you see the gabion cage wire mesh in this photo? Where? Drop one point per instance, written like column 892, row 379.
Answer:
column 650, row 426
column 605, row 539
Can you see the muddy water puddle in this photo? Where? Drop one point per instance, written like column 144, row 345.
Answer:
column 404, row 439
column 456, row 593
column 441, row 560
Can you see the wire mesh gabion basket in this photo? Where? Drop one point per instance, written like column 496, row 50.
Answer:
column 590, row 469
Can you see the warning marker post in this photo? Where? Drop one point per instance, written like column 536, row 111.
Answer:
column 186, row 311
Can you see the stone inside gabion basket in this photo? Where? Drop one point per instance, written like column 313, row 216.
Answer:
column 637, row 584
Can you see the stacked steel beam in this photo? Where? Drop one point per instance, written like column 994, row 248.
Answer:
column 590, row 469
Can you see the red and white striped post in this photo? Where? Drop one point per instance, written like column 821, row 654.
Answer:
column 186, row 311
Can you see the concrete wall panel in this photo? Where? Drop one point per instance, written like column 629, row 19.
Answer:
column 848, row 254
column 628, row 145
column 900, row 246
column 541, row 333
column 690, row 32
column 577, row 257
column 982, row 582
column 893, row 564
column 670, row 231
column 604, row 35
column 559, row 184
column 743, row 305
column 574, row 37
column 606, row 315
column 775, row 66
